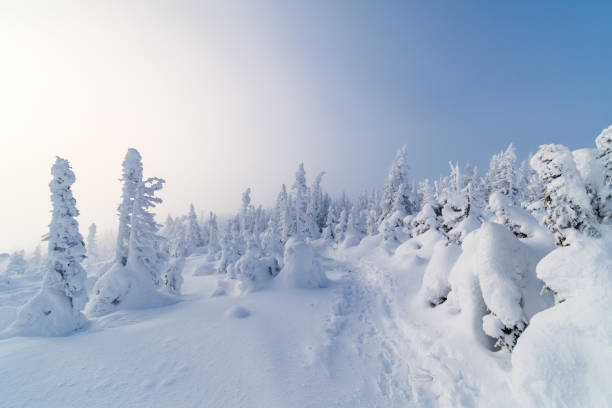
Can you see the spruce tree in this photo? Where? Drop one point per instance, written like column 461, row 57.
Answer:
column 56, row 309
column 194, row 232
column 144, row 249
column 92, row 246
column 567, row 204
column 131, row 178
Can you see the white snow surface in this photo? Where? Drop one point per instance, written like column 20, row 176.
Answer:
column 364, row 338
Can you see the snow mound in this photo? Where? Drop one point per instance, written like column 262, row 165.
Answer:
column 121, row 288
column 238, row 312
column 49, row 313
column 301, row 269
column 255, row 272
column 564, row 357
column 435, row 286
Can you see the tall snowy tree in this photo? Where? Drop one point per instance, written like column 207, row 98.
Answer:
column 56, row 309
column 92, row 245
column 565, row 198
column 194, row 232
column 304, row 222
column 397, row 179
column 131, row 178
column 341, row 226
column 284, row 214
column 144, row 251
column 392, row 227
column 246, row 220
column 316, row 205
column 501, row 176
column 213, row 237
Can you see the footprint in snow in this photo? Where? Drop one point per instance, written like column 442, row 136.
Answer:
column 238, row 312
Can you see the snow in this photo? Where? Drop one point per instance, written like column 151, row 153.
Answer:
column 121, row 287
column 301, row 269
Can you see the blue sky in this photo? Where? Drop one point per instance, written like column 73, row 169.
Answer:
column 221, row 96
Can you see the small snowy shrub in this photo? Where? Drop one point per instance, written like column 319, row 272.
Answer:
column 435, row 287
column 301, row 269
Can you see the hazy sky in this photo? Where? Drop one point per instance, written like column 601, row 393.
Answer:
column 220, row 96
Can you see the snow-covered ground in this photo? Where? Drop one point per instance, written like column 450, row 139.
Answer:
column 365, row 340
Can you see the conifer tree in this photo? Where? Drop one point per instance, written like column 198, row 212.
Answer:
column 340, row 229
column 565, row 198
column 92, row 245
column 131, row 178
column 144, row 245
column 194, row 232
column 17, row 263
column 213, row 238
column 56, row 309
column 604, row 148
column 397, row 179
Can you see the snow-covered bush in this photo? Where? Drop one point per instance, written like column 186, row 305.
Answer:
column 493, row 284
column 173, row 276
column 254, row 270
column 435, row 287
column 563, row 358
column 514, row 218
column 16, row 264
column 568, row 207
column 301, row 269
column 425, row 220
column 56, row 309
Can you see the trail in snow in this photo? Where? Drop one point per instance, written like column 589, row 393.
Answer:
column 417, row 365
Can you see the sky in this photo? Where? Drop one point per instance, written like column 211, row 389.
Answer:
column 219, row 96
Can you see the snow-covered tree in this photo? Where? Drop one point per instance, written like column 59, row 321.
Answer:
column 173, row 276
column 194, row 232
column 92, row 245
column 392, row 227
column 17, row 263
column 429, row 216
column 230, row 252
column 271, row 240
column 285, row 214
column 56, row 309
column 567, row 204
column 330, row 224
column 341, row 226
column 317, row 205
column 355, row 229
column 604, row 148
column 131, row 178
column 213, row 237
column 35, row 262
column 144, row 245
column 501, row 176
column 397, row 179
